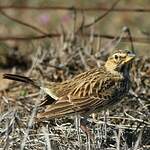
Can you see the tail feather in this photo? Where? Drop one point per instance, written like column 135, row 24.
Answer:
column 20, row 79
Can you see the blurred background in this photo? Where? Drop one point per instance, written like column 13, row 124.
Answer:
column 39, row 15
column 53, row 40
column 22, row 23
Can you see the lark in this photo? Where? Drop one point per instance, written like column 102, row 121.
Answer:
column 88, row 92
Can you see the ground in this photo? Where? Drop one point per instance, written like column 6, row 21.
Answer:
column 125, row 126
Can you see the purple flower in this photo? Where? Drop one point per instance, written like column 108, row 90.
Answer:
column 44, row 19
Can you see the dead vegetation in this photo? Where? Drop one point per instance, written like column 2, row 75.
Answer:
column 126, row 126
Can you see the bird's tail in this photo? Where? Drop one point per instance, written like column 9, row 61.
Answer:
column 21, row 79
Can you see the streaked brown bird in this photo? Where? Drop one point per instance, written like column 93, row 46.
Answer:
column 88, row 92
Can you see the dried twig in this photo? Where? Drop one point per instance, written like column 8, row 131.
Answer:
column 127, row 30
column 102, row 16
column 47, row 139
column 55, row 35
column 99, row 8
column 22, row 22
column 137, row 144
column 28, row 129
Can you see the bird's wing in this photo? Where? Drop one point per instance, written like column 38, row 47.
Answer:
column 81, row 82
column 84, row 98
column 66, row 106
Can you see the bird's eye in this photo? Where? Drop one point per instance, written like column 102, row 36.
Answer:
column 128, row 52
column 116, row 57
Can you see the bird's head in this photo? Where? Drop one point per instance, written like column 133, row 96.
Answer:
column 119, row 60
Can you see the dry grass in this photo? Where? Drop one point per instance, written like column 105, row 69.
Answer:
column 126, row 126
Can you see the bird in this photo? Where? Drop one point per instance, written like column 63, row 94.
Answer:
column 89, row 92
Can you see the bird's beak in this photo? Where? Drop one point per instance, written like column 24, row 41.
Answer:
column 129, row 58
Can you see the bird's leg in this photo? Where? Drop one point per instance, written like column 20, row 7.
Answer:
column 84, row 123
column 84, row 126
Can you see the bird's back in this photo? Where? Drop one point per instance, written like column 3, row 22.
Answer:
column 88, row 92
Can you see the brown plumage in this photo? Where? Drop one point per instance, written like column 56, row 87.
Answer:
column 87, row 92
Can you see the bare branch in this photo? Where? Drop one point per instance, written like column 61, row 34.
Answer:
column 55, row 35
column 22, row 23
column 37, row 8
column 102, row 16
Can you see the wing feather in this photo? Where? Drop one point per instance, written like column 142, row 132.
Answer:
column 80, row 95
column 79, row 105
